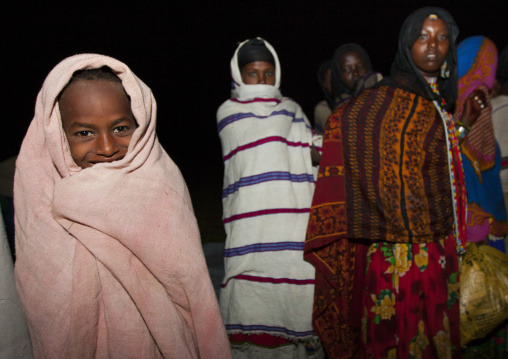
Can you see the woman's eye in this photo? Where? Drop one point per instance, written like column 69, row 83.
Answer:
column 444, row 37
column 252, row 74
column 423, row 36
column 269, row 73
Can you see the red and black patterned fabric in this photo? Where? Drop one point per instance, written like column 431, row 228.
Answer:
column 384, row 177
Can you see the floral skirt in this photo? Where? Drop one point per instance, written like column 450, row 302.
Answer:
column 410, row 301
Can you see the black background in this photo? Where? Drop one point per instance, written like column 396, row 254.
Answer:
column 182, row 52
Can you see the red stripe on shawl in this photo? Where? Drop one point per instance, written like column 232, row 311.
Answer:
column 263, row 340
column 252, row 278
column 265, row 212
column 257, row 99
column 263, row 141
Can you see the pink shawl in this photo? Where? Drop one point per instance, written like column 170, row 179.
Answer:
column 109, row 259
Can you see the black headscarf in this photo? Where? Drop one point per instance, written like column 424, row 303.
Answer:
column 254, row 50
column 406, row 74
column 502, row 67
column 321, row 79
column 338, row 85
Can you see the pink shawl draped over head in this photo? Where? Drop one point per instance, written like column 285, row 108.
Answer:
column 477, row 70
column 109, row 259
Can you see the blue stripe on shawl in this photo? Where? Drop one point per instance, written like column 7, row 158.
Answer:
column 267, row 328
column 240, row 116
column 466, row 53
column 264, row 247
column 265, row 177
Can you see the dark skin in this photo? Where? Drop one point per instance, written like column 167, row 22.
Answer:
column 97, row 120
column 263, row 73
column 429, row 53
column 258, row 73
column 473, row 106
column 352, row 68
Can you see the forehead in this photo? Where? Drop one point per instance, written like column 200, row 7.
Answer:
column 83, row 90
column 258, row 65
column 91, row 98
column 351, row 56
column 434, row 23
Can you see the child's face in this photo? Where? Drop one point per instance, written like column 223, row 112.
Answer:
column 258, row 72
column 97, row 120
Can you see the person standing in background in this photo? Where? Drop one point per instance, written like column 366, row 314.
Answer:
column 387, row 220
column 268, row 149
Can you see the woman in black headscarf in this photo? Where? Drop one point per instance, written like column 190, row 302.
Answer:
column 388, row 214
column 351, row 73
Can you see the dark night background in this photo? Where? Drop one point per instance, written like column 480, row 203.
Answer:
column 182, row 52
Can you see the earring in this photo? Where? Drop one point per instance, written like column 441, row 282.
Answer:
column 445, row 73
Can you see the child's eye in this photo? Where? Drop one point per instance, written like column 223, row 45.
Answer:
column 269, row 73
column 252, row 74
column 84, row 133
column 120, row 129
column 423, row 36
column 443, row 37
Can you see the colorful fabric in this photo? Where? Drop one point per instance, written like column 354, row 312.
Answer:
column 109, row 259
column 408, row 308
column 268, row 187
column 486, row 220
column 385, row 156
column 477, row 60
column 456, row 171
column 486, row 217
column 477, row 57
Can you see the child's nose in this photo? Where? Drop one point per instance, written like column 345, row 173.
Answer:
column 106, row 145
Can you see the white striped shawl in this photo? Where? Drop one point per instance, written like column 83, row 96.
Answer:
column 267, row 193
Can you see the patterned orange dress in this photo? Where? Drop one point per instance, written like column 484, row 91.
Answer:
column 383, row 230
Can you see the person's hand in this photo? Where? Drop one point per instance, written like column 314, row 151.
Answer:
column 473, row 106
column 315, row 156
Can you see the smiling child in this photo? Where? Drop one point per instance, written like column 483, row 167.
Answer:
column 109, row 259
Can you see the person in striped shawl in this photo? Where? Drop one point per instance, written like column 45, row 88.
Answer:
column 268, row 149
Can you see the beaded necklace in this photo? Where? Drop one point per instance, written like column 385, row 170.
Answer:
column 457, row 181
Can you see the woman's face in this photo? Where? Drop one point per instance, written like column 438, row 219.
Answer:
column 429, row 51
column 258, row 73
column 352, row 68
column 97, row 121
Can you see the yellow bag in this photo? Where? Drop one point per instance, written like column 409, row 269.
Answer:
column 483, row 291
